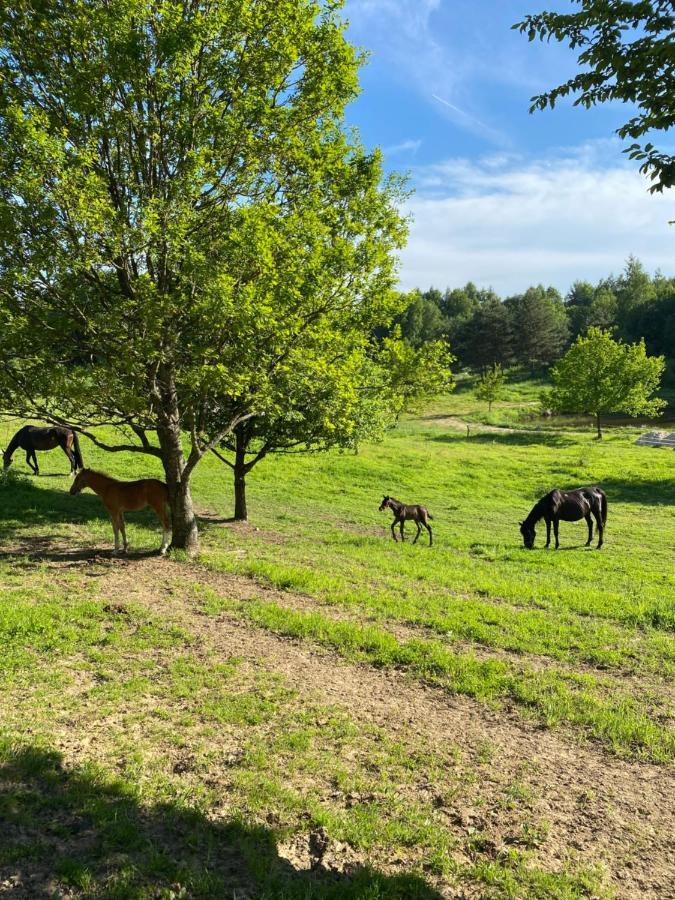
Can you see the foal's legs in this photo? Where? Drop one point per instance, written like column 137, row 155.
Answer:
column 548, row 533
column 125, row 545
column 401, row 524
column 555, row 532
column 589, row 522
column 114, row 517
column 419, row 531
column 428, row 528
column 393, row 533
column 166, row 531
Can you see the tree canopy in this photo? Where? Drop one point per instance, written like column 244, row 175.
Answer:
column 320, row 404
column 599, row 375
column 184, row 215
column 626, row 54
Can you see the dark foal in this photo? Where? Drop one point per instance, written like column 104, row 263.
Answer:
column 420, row 515
column 568, row 506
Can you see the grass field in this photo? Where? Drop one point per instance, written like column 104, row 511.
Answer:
column 311, row 710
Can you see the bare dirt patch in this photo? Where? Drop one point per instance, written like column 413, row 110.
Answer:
column 596, row 809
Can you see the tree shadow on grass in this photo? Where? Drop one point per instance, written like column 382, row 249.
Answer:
column 78, row 833
column 35, row 549
column 510, row 438
column 645, row 491
column 23, row 505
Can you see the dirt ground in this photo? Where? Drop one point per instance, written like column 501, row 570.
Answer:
column 601, row 809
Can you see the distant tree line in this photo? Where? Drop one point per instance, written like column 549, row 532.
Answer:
column 535, row 328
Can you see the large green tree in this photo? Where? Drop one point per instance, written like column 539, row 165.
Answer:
column 625, row 54
column 540, row 326
column 422, row 321
column 178, row 191
column 599, row 375
column 487, row 337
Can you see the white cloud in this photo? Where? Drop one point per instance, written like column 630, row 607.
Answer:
column 507, row 223
column 409, row 146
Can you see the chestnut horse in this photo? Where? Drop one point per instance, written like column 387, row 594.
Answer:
column 420, row 515
column 120, row 496
column 570, row 506
column 34, row 437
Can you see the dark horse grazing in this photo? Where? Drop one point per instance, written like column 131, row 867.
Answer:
column 420, row 515
column 32, row 437
column 570, row 506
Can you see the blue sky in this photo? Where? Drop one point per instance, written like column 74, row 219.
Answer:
column 502, row 197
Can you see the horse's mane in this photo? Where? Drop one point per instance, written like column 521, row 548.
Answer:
column 96, row 472
column 537, row 512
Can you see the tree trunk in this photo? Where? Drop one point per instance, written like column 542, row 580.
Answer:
column 240, row 470
column 597, row 422
column 489, row 406
column 240, row 510
column 184, row 534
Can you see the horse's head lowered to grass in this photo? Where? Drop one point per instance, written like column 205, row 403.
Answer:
column 81, row 481
column 529, row 534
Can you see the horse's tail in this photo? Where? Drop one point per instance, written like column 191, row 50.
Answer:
column 77, row 453
column 429, row 516
column 603, row 506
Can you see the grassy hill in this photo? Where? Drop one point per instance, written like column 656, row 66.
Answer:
column 312, row 710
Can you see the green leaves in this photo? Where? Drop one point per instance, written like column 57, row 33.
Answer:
column 490, row 385
column 184, row 213
column 599, row 375
column 626, row 55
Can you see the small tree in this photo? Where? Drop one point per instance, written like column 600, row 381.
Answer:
column 490, row 386
column 321, row 404
column 599, row 375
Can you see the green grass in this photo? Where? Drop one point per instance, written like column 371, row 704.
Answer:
column 553, row 696
column 577, row 640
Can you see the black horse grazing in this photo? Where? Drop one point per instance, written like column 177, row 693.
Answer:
column 570, row 506
column 419, row 514
column 32, row 437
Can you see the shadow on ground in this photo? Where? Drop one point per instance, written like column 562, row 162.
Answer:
column 510, row 438
column 644, row 491
column 77, row 833
column 21, row 501
column 24, row 505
